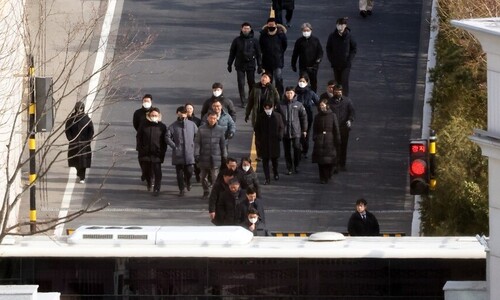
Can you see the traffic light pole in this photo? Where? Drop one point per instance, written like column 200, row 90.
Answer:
column 432, row 159
column 32, row 145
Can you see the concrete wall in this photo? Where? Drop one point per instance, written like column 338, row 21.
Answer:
column 12, row 108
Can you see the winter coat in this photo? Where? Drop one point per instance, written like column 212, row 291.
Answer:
column 343, row 108
column 294, row 118
column 359, row 227
column 244, row 205
column 210, row 146
column 195, row 119
column 139, row 117
column 224, row 121
column 152, row 141
column 225, row 209
column 79, row 131
column 245, row 51
column 308, row 51
column 260, row 227
column 273, row 48
column 180, row 137
column 256, row 98
column 288, row 4
column 269, row 132
column 326, row 137
column 309, row 99
column 249, row 179
column 227, row 105
column 341, row 49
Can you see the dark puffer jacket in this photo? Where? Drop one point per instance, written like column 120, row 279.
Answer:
column 341, row 49
column 294, row 118
column 326, row 137
column 273, row 47
column 308, row 51
column 210, row 146
column 151, row 141
column 180, row 137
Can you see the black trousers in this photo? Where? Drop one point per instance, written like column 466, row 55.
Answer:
column 344, row 139
column 184, row 174
column 153, row 170
column 250, row 76
column 288, row 145
column 341, row 76
column 265, row 166
column 304, row 141
column 80, row 172
column 313, row 76
column 325, row 171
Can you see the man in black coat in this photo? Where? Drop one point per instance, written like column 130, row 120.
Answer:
column 363, row 222
column 342, row 106
column 152, row 145
column 79, row 132
column 269, row 130
column 341, row 49
column 246, row 55
column 250, row 201
column 138, row 118
column 273, row 44
column 309, row 52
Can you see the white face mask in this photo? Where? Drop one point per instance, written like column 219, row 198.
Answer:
column 217, row 93
column 146, row 105
column 306, row 34
column 268, row 111
column 246, row 168
column 302, row 84
column 155, row 119
column 253, row 220
column 341, row 27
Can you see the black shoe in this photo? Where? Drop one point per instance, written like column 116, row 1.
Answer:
column 243, row 105
column 181, row 193
column 335, row 171
column 276, row 177
column 188, row 187
column 156, row 193
column 363, row 13
column 149, row 187
column 369, row 12
column 205, row 195
column 143, row 178
column 289, row 172
column 267, row 182
column 304, row 155
column 323, row 181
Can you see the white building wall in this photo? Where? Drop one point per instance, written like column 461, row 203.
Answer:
column 12, row 108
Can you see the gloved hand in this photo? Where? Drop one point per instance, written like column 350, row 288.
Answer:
column 348, row 123
column 246, row 119
column 259, row 70
column 229, row 68
column 294, row 68
column 230, row 135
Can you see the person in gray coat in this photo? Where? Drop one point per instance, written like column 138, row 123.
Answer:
column 295, row 121
column 210, row 151
column 223, row 119
column 180, row 137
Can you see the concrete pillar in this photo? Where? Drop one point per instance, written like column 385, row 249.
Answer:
column 487, row 31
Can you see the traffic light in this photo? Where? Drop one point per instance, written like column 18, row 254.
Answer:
column 419, row 167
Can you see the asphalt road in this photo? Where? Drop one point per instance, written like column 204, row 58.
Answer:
column 189, row 53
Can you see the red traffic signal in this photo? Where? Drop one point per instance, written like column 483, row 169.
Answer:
column 419, row 167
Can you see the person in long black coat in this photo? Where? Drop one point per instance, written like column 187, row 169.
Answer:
column 269, row 129
column 80, row 132
column 326, row 137
column 362, row 222
column 152, row 145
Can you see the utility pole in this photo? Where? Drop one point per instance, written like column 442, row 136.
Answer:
column 32, row 144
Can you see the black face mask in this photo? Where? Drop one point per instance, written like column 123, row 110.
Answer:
column 271, row 29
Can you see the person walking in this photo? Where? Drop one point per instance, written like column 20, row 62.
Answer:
column 273, row 44
column 138, row 118
column 223, row 119
column 246, row 55
column 269, row 130
column 365, row 7
column 218, row 94
column 254, row 223
column 180, row 137
column 192, row 117
column 362, row 222
column 249, row 178
column 342, row 106
column 152, row 145
column 250, row 201
column 226, row 210
column 329, row 90
column 295, row 123
column 326, row 137
column 261, row 92
column 341, row 48
column 309, row 52
column 310, row 100
column 215, row 200
column 210, row 151
column 79, row 131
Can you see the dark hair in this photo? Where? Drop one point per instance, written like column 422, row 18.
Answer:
column 268, row 103
column 337, row 87
column 305, row 76
column 252, row 211
column 290, row 88
column 323, row 100
column 230, row 159
column 331, row 82
column 147, row 96
column 271, row 20
column 152, row 109
column 342, row 20
column 251, row 190
column 211, row 113
column 361, row 201
column 268, row 75
column 245, row 24
column 234, row 181
column 247, row 159
column 217, row 85
column 181, row 109
column 189, row 103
